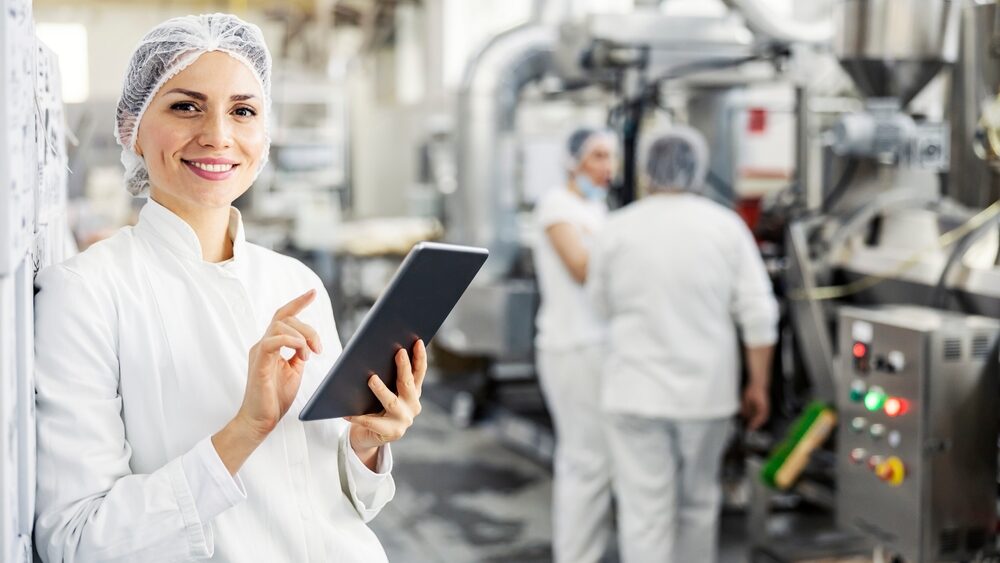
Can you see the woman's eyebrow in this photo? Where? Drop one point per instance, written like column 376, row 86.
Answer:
column 202, row 97
column 189, row 93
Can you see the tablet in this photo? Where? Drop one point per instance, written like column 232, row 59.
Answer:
column 420, row 296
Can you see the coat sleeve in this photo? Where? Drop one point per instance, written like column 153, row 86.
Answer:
column 754, row 307
column 369, row 491
column 90, row 506
column 598, row 275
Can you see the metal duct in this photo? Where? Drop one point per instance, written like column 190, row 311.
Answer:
column 762, row 20
column 975, row 80
column 483, row 209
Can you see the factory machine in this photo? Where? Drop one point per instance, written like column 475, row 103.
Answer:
column 892, row 277
column 888, row 243
column 916, row 454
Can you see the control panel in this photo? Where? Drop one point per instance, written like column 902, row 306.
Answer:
column 917, row 437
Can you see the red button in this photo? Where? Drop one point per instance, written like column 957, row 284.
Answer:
column 894, row 406
column 860, row 350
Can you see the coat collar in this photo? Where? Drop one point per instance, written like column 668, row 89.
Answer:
column 180, row 238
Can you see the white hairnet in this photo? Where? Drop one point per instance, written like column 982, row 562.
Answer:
column 584, row 140
column 170, row 48
column 677, row 160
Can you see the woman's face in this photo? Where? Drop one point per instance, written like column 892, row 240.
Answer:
column 203, row 134
column 599, row 163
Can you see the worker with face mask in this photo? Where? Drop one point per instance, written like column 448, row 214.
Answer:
column 679, row 280
column 568, row 221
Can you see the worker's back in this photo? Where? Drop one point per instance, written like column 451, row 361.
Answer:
column 676, row 274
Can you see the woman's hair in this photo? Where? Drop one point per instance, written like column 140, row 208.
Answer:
column 582, row 141
column 165, row 51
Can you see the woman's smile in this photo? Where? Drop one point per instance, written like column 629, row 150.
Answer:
column 214, row 169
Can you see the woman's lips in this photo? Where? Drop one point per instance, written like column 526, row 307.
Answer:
column 214, row 176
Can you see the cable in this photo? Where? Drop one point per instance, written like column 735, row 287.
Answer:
column 956, row 255
column 685, row 70
column 831, row 199
column 868, row 282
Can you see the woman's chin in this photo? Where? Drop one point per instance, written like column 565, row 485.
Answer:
column 214, row 194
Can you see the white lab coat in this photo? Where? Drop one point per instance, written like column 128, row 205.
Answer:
column 569, row 344
column 677, row 276
column 142, row 351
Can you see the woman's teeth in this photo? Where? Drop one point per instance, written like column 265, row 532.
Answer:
column 211, row 167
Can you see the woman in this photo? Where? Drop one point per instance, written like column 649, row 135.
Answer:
column 173, row 358
column 568, row 222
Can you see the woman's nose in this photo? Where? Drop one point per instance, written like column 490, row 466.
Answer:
column 216, row 132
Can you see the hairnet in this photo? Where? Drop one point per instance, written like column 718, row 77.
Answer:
column 582, row 141
column 677, row 159
column 165, row 51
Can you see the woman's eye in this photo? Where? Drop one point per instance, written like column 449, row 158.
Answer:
column 245, row 112
column 184, row 107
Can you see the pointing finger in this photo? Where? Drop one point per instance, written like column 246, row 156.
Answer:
column 295, row 306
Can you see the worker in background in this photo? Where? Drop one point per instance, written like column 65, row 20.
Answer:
column 568, row 220
column 173, row 359
column 679, row 279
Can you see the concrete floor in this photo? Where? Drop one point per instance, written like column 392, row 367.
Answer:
column 464, row 496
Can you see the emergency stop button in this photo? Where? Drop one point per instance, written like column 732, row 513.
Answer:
column 892, row 471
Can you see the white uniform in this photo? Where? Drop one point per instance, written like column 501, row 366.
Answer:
column 570, row 347
column 142, row 352
column 675, row 275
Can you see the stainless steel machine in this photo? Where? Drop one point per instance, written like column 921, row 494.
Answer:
column 918, row 399
column 892, row 279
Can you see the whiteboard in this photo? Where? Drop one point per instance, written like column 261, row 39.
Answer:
column 50, row 139
column 10, row 526
column 17, row 121
column 33, row 234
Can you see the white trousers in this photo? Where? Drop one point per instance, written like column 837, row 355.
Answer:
column 581, row 511
column 666, row 482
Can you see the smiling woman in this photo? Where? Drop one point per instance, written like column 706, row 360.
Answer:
column 203, row 137
column 172, row 359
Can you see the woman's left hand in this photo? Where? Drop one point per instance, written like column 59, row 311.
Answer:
column 370, row 431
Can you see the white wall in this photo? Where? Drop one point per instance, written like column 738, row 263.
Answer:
column 113, row 32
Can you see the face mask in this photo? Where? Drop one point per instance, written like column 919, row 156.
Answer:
column 590, row 190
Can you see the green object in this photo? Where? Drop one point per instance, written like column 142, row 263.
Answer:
column 857, row 395
column 815, row 413
column 874, row 399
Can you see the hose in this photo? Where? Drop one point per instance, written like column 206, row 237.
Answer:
column 982, row 218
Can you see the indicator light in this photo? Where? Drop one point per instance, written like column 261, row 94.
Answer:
column 875, row 399
column 858, row 424
column 876, row 431
column 860, row 350
column 894, row 406
column 895, row 438
column 858, row 455
column 874, row 461
column 858, row 390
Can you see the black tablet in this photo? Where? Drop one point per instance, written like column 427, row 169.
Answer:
column 420, row 296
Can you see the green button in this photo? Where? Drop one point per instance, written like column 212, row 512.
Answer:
column 875, row 399
column 857, row 391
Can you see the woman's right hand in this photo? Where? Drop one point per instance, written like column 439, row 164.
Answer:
column 272, row 382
